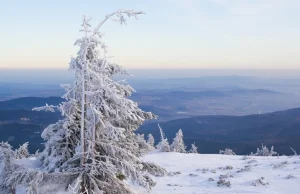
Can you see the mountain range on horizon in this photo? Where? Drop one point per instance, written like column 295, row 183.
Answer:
column 243, row 134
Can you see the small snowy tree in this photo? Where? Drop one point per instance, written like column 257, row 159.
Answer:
column 22, row 151
column 150, row 140
column 264, row 151
column 193, row 149
column 178, row 144
column 227, row 151
column 163, row 145
column 95, row 142
column 143, row 145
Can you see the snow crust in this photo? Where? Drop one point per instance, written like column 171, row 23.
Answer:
column 281, row 173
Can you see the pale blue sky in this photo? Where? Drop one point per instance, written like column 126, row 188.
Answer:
column 244, row 34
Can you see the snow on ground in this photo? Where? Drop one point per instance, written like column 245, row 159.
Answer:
column 30, row 162
column 199, row 174
column 190, row 174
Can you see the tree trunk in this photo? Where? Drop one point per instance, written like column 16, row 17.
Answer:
column 13, row 190
column 82, row 131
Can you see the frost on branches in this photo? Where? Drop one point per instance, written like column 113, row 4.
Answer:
column 178, row 144
column 163, row 145
column 193, row 149
column 12, row 175
column 95, row 144
column 264, row 151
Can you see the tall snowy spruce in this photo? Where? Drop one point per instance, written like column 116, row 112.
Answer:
column 95, row 145
column 178, row 144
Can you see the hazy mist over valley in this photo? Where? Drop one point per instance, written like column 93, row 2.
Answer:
column 177, row 93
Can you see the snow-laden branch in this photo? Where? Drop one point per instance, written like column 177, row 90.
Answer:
column 119, row 18
column 50, row 108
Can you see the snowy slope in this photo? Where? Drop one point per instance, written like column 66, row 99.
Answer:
column 190, row 173
column 281, row 173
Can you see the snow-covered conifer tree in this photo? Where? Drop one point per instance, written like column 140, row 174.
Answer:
column 22, row 151
column 163, row 145
column 150, row 140
column 178, row 144
column 95, row 141
column 193, row 149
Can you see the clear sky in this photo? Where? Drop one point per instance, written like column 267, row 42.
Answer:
column 239, row 34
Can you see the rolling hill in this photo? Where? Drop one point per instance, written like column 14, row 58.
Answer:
column 241, row 133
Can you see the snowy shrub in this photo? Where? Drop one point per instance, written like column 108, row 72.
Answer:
column 213, row 171
column 203, row 170
column 173, row 173
column 228, row 167
column 280, row 165
column 94, row 146
column 227, row 151
column 225, row 176
column 22, row 151
column 246, row 168
column 193, row 175
column 223, row 182
column 163, row 146
column 260, row 182
column 178, row 144
column 264, row 151
column 173, row 185
column 193, row 149
column 211, row 179
column 252, row 161
column 290, row 177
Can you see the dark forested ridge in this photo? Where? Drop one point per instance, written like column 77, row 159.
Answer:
column 27, row 103
column 244, row 134
column 19, row 124
column 241, row 133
